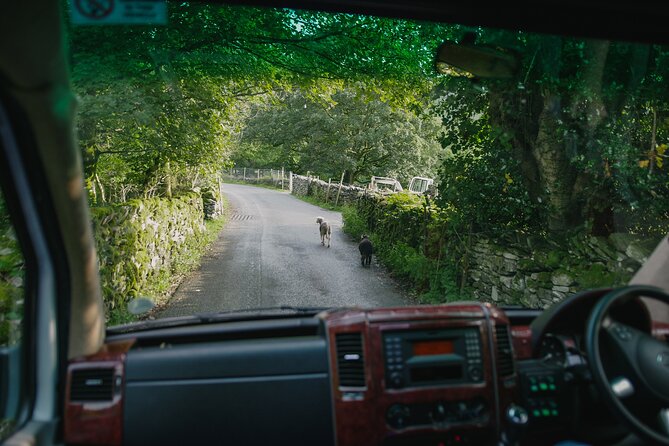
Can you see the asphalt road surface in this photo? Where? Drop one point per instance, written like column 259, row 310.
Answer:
column 269, row 254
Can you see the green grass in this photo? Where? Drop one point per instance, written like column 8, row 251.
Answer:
column 250, row 183
column 317, row 202
column 309, row 199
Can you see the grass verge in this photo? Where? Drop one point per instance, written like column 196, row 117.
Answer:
column 316, row 202
column 256, row 184
column 430, row 281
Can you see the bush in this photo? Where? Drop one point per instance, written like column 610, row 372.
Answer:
column 409, row 236
column 354, row 224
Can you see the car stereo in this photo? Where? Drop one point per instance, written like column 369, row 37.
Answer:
column 430, row 357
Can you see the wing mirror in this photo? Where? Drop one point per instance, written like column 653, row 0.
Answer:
column 140, row 305
column 476, row 61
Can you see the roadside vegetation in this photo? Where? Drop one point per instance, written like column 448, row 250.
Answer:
column 11, row 282
column 410, row 237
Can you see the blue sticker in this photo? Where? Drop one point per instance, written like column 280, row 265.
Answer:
column 119, row 12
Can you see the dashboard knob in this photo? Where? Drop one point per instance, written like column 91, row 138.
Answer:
column 439, row 413
column 517, row 419
column 398, row 416
column 396, row 379
column 475, row 373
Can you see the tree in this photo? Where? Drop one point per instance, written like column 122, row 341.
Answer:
column 176, row 91
column 352, row 131
column 576, row 122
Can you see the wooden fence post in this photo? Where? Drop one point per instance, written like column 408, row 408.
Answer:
column 258, row 171
column 327, row 194
column 245, row 174
column 290, row 181
column 281, row 177
column 339, row 190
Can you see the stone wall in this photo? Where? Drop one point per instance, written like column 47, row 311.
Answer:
column 313, row 187
column 535, row 273
column 143, row 244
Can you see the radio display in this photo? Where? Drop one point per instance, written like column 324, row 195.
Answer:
column 432, row 347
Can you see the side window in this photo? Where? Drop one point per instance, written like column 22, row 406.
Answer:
column 11, row 311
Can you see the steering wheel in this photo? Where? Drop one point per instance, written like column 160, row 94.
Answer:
column 637, row 370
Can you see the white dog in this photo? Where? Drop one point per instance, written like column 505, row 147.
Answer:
column 326, row 231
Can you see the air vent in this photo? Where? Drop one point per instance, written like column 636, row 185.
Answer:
column 505, row 364
column 92, row 385
column 350, row 360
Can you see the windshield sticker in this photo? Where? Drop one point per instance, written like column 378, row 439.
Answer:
column 119, row 12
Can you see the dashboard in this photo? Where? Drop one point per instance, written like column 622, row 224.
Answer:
column 424, row 375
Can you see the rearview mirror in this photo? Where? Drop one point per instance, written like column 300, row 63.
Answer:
column 481, row 61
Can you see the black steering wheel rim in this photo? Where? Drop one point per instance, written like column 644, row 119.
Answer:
column 592, row 348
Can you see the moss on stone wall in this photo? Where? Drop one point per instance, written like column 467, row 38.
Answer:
column 143, row 245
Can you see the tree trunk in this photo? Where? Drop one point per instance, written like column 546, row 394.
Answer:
column 168, row 180
column 545, row 137
column 102, row 190
column 556, row 173
column 589, row 111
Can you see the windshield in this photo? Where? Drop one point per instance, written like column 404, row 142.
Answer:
column 241, row 158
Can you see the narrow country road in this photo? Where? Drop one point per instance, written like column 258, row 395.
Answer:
column 269, row 254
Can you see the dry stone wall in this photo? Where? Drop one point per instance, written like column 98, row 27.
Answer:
column 314, row 187
column 536, row 274
column 143, row 244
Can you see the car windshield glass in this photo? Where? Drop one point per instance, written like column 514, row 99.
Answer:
column 240, row 158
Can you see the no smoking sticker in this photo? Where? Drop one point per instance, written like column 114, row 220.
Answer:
column 119, row 12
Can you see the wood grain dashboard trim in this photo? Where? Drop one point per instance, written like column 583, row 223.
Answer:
column 362, row 420
column 97, row 422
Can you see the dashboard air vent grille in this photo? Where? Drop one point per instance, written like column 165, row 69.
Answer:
column 350, row 360
column 92, row 384
column 504, row 351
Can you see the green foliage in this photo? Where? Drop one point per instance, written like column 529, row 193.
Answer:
column 481, row 183
column 408, row 237
column 596, row 276
column 480, row 188
column 11, row 281
column 349, row 130
column 264, row 183
column 582, row 134
column 320, row 202
column 161, row 106
column 355, row 224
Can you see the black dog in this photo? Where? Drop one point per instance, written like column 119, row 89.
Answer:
column 366, row 249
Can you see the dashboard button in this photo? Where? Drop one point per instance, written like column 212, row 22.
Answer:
column 396, row 379
column 475, row 373
column 398, row 416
